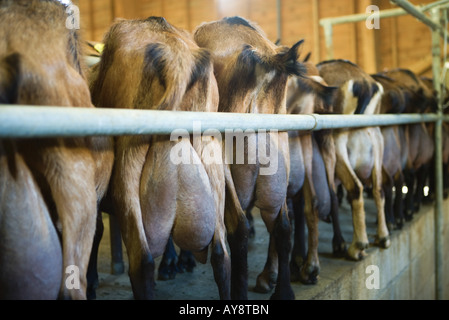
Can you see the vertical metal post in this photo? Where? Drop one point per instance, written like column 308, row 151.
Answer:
column 328, row 35
column 279, row 21
column 436, row 68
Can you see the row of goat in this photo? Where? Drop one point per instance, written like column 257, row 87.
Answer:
column 52, row 191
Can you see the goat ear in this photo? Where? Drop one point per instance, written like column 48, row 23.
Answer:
column 325, row 94
column 290, row 61
column 9, row 78
column 285, row 61
column 306, row 59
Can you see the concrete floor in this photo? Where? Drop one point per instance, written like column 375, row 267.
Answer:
column 200, row 285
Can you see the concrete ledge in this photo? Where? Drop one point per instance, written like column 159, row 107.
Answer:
column 406, row 269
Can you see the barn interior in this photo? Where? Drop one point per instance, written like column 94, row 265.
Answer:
column 416, row 265
column 399, row 41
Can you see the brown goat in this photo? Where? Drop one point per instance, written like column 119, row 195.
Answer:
column 252, row 74
column 47, row 186
column 150, row 64
column 419, row 138
column 445, row 152
column 394, row 100
column 359, row 151
column 312, row 175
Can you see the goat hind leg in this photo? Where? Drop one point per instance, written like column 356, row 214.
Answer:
column 221, row 263
column 282, row 232
column 355, row 196
column 311, row 268
column 299, row 252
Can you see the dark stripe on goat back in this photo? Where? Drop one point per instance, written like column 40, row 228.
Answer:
column 397, row 101
column 243, row 79
column 337, row 61
column 156, row 68
column 364, row 92
column 409, row 73
column 154, row 62
column 238, row 21
column 153, row 69
column 393, row 94
column 161, row 22
column 10, row 75
column 201, row 69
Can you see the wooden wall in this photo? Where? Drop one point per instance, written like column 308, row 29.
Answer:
column 400, row 41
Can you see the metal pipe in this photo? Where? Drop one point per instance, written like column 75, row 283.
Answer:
column 28, row 121
column 329, row 35
column 38, row 121
column 440, row 4
column 414, row 11
column 328, row 23
column 279, row 21
column 388, row 13
column 438, row 218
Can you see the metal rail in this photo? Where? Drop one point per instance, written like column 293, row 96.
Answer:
column 328, row 23
column 39, row 121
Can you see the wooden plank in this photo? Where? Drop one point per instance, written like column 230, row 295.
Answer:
column 344, row 34
column 401, row 42
column 414, row 41
column 297, row 24
column 202, row 11
column 368, row 49
column 102, row 18
column 394, row 43
column 316, row 31
column 264, row 13
column 151, row 8
column 231, row 8
column 85, row 17
column 176, row 12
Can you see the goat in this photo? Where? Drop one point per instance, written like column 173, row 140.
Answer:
column 151, row 64
column 52, row 186
column 252, row 74
column 359, row 151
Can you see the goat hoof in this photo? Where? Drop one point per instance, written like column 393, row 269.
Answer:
column 186, row 262
column 296, row 263
column 362, row 245
column 399, row 223
column 355, row 253
column 265, row 282
column 167, row 271
column 294, row 272
column 383, row 242
column 117, row 268
column 252, row 232
column 339, row 249
column 429, row 199
column 309, row 275
column 286, row 294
